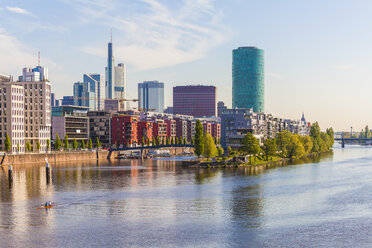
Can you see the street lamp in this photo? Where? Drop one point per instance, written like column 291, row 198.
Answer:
column 351, row 134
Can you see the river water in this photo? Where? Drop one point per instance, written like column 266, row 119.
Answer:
column 325, row 202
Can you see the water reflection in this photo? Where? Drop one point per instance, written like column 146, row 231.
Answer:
column 130, row 201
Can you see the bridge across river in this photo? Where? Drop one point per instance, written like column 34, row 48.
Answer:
column 141, row 148
column 351, row 140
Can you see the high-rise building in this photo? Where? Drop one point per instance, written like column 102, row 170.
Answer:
column 66, row 101
column 52, row 99
column 116, row 78
column 195, row 100
column 109, row 73
column 37, row 109
column 12, row 115
column 88, row 92
column 151, row 96
column 120, row 81
column 248, row 79
column 36, row 74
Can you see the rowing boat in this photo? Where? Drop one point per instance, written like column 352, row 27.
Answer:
column 42, row 207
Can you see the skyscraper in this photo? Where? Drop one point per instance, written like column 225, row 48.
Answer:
column 151, row 96
column 248, row 79
column 88, row 92
column 116, row 77
column 109, row 72
column 195, row 100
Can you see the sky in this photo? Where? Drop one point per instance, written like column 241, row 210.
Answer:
column 318, row 53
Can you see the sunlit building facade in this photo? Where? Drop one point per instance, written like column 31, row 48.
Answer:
column 248, row 79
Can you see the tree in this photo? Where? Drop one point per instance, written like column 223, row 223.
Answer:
column 295, row 147
column 215, row 140
column 331, row 135
column 229, row 150
column 250, row 145
column 210, row 149
column 74, row 144
column 269, row 148
column 158, row 141
column 282, row 140
column 98, row 145
column 163, row 141
column 48, row 144
column 326, row 143
column 57, row 143
column 192, row 140
column 28, row 146
column 153, row 141
column 220, row 151
column 184, row 141
column 148, row 142
column 38, row 145
column 199, row 139
column 8, row 145
column 82, row 144
column 143, row 141
column 181, row 141
column 367, row 133
column 168, row 141
column 177, row 141
column 18, row 148
column 172, row 140
column 66, row 142
column 90, row 144
column 307, row 142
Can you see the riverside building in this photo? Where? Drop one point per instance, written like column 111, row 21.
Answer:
column 11, row 114
column 248, row 90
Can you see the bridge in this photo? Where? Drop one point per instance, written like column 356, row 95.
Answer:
column 351, row 140
column 141, row 148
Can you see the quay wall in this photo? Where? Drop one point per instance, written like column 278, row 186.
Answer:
column 55, row 157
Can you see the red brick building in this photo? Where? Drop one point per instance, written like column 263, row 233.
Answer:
column 124, row 130
column 171, row 128
column 144, row 129
column 159, row 130
column 207, row 128
column 216, row 130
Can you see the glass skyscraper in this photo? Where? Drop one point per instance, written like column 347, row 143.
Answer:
column 89, row 92
column 248, row 79
column 151, row 96
column 109, row 73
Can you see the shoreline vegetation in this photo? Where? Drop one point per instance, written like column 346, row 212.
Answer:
column 284, row 147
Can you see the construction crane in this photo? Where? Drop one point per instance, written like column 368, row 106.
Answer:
column 94, row 98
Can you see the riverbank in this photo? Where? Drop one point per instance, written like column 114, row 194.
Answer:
column 267, row 164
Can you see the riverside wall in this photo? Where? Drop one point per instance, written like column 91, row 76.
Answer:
column 56, row 157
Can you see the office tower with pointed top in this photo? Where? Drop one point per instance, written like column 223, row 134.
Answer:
column 116, row 77
column 248, row 89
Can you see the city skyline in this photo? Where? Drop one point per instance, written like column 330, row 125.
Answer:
column 312, row 66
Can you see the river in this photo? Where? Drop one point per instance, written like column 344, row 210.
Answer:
column 325, row 202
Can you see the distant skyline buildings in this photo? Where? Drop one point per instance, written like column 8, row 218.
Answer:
column 151, row 96
column 248, row 85
column 195, row 100
column 39, row 73
column 116, row 77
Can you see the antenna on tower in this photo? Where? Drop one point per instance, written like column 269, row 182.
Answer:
column 38, row 55
column 111, row 35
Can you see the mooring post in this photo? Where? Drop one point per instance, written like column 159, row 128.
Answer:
column 47, row 170
column 343, row 143
column 10, row 174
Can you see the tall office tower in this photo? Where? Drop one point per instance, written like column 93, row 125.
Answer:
column 37, row 110
column 121, row 83
column 109, row 73
column 151, row 96
column 94, row 91
column 12, row 115
column 248, row 89
column 88, row 92
column 66, row 101
column 52, row 99
column 116, row 78
column 195, row 100
column 36, row 74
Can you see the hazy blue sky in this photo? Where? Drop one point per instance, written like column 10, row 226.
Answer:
column 318, row 54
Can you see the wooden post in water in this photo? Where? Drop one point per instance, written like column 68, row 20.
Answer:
column 47, row 170
column 10, row 174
